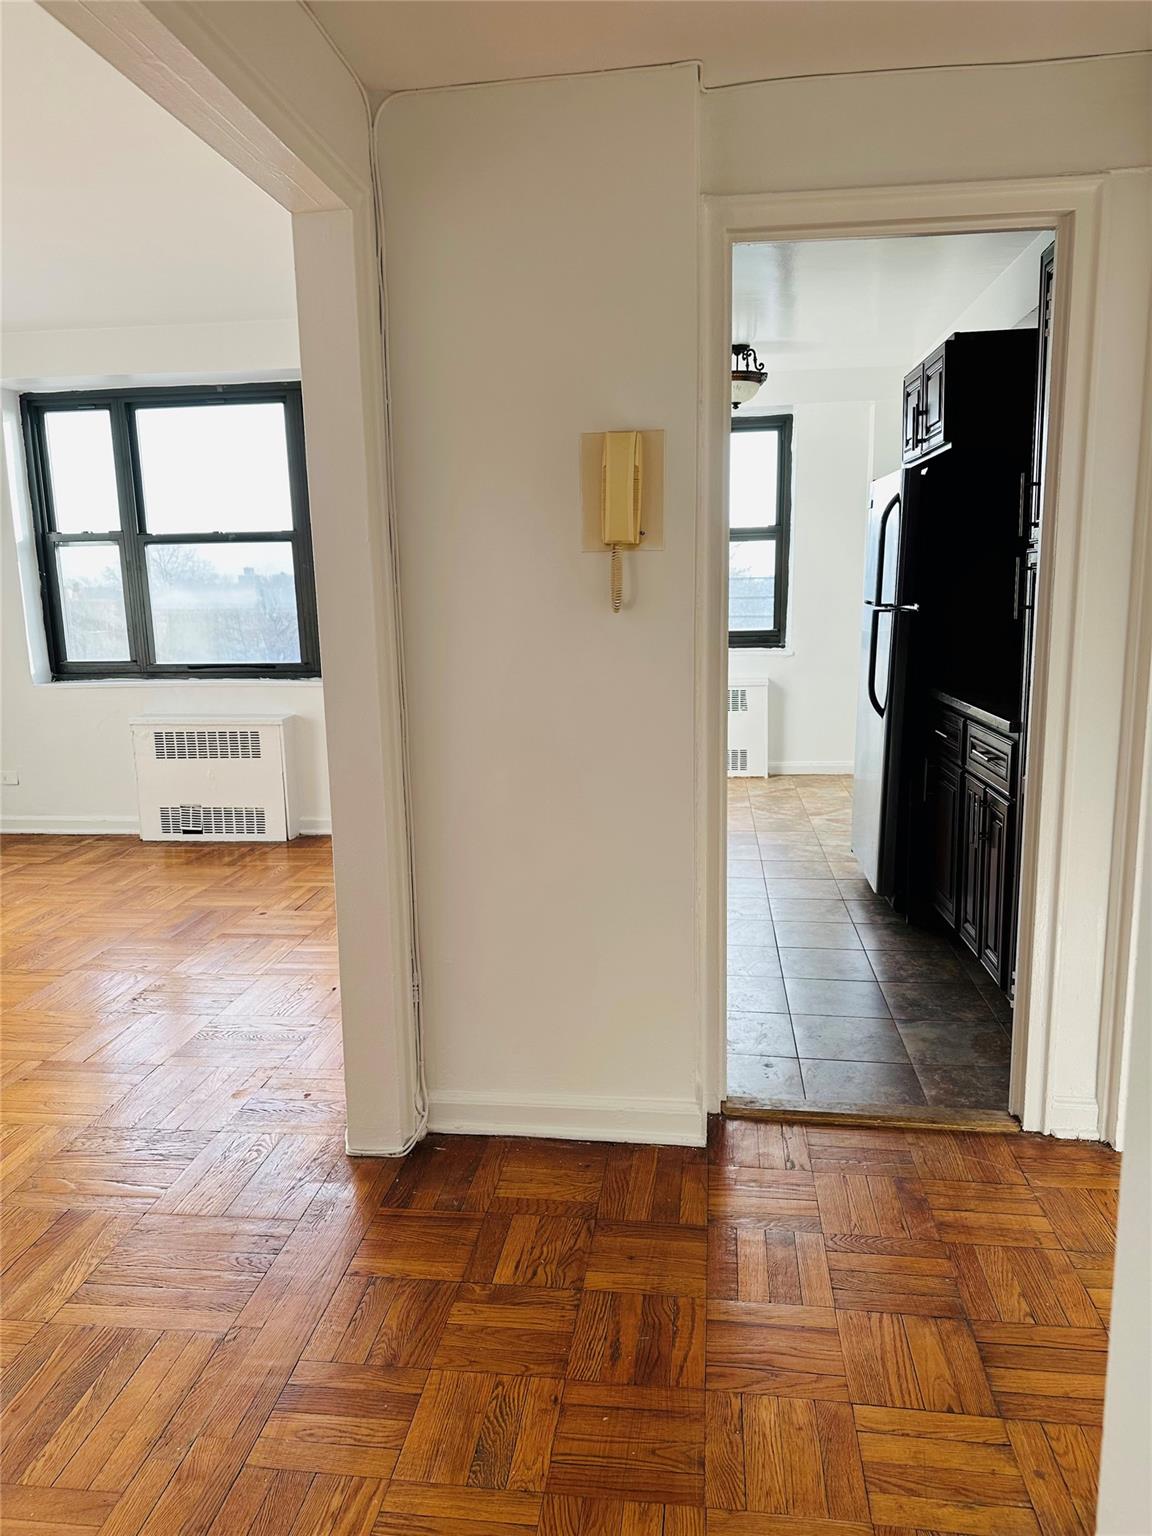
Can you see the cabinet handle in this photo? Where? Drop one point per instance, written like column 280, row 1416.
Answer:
column 943, row 735
column 991, row 759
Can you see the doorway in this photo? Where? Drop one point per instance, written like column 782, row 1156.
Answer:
column 877, row 743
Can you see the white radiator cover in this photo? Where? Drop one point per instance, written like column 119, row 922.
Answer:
column 214, row 779
column 748, row 731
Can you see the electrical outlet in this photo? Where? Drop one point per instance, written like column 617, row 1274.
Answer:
column 9, row 779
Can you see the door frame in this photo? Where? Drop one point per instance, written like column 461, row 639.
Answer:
column 1086, row 750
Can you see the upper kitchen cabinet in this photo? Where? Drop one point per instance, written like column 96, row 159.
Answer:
column 954, row 392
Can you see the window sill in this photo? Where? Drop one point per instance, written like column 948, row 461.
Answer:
column 179, row 682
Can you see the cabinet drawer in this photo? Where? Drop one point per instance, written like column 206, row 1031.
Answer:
column 989, row 755
column 946, row 735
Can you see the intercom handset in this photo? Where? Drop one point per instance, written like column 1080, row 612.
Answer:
column 621, row 497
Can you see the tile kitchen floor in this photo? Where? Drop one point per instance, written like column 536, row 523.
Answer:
column 832, row 998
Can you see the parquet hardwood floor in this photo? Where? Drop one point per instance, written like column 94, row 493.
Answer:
column 217, row 1324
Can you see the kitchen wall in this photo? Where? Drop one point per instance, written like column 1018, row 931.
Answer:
column 542, row 253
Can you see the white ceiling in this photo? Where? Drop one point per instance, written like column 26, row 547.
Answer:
column 809, row 304
column 115, row 214
column 409, row 44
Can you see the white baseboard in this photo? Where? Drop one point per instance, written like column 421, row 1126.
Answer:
column 72, row 826
column 119, row 826
column 579, row 1117
column 1074, row 1119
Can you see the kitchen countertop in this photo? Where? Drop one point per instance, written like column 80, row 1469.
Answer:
column 983, row 716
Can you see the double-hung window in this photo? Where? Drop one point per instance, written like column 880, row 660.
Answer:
column 172, row 531
column 759, row 526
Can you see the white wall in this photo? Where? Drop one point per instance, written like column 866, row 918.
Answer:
column 542, row 246
column 812, row 679
column 928, row 125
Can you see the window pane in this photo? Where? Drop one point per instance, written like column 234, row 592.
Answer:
column 82, row 471
column 214, row 468
column 219, row 603
column 752, row 468
column 92, row 602
column 752, row 584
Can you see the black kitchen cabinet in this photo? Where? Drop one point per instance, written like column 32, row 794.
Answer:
column 932, row 406
column 995, row 887
column 972, row 828
column 913, row 403
column 948, row 397
column 985, row 890
column 943, row 819
column 969, row 832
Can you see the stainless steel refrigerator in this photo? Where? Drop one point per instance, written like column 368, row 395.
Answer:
column 885, row 635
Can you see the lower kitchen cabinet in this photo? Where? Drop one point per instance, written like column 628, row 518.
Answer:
column 969, row 833
column 986, row 879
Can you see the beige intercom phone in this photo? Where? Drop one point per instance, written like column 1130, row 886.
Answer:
column 621, row 497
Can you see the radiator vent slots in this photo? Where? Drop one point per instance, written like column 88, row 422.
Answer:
column 213, row 820
column 738, row 760
column 184, row 746
column 737, row 701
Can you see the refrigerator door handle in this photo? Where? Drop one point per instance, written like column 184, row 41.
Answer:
column 872, row 699
column 881, row 541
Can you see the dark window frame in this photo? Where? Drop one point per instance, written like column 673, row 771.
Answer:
column 133, row 538
column 780, row 535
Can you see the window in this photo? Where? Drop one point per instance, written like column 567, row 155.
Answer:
column 759, row 525
column 172, row 531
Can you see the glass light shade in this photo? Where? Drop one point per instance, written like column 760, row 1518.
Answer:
column 744, row 387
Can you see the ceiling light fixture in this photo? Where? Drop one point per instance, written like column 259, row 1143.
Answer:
column 748, row 373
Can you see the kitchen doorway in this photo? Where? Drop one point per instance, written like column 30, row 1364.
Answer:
column 884, row 495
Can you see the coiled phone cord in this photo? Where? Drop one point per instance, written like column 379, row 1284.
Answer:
column 617, row 579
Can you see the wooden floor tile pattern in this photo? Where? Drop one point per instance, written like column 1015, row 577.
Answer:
column 217, row 1324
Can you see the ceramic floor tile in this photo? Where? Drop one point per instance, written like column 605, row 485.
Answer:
column 849, row 999
column 837, row 1039
column 819, row 890
column 761, row 1034
column 753, row 960
column 966, row 1087
column 925, row 1002
column 756, row 994
column 755, row 931
column 912, row 964
column 797, row 869
column 808, row 909
column 826, row 964
column 955, row 1044
column 860, row 1082
column 801, row 934
column 764, row 1077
